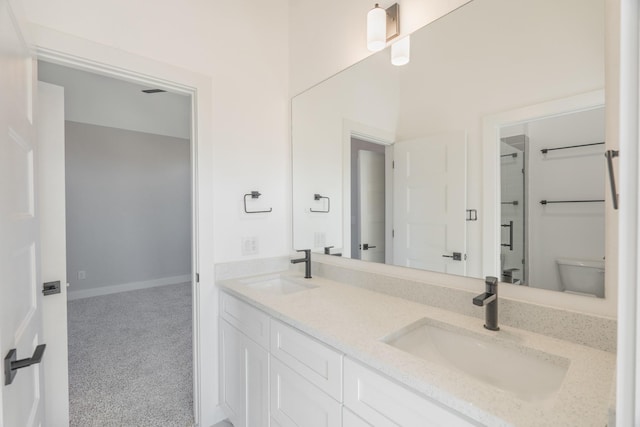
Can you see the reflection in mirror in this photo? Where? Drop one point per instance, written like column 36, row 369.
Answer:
column 417, row 132
column 367, row 200
column 552, row 202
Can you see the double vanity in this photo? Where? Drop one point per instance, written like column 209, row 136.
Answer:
column 319, row 352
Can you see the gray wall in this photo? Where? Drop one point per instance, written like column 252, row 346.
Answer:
column 128, row 206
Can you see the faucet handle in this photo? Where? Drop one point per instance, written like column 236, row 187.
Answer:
column 490, row 280
column 491, row 284
column 307, row 252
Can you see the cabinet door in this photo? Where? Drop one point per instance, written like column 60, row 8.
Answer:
column 243, row 378
column 312, row 359
column 384, row 403
column 295, row 402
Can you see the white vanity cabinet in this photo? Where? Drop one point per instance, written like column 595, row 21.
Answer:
column 272, row 374
column 295, row 402
column 349, row 419
column 244, row 363
column 318, row 363
column 306, row 379
column 380, row 402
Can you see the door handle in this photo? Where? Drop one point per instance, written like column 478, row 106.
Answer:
column 457, row 256
column 510, row 227
column 11, row 365
column 366, row 246
column 610, row 154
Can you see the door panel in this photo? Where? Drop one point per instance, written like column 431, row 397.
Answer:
column 430, row 202
column 20, row 309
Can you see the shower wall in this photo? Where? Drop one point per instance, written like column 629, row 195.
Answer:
column 512, row 190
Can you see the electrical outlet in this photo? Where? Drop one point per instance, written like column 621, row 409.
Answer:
column 82, row 275
column 250, row 245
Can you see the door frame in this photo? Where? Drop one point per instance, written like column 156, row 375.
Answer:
column 120, row 65
column 626, row 100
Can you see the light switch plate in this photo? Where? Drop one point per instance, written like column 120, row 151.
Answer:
column 250, row 245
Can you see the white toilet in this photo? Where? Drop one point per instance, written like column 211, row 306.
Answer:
column 584, row 277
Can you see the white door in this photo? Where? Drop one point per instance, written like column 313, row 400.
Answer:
column 20, row 301
column 372, row 219
column 53, row 249
column 429, row 203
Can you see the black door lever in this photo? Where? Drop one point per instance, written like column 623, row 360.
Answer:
column 11, row 365
column 457, row 256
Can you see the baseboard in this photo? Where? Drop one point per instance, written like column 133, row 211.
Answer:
column 133, row 286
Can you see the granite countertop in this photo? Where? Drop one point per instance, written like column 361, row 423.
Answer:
column 353, row 320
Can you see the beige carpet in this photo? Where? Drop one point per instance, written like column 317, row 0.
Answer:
column 130, row 359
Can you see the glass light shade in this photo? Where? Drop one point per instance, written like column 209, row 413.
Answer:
column 376, row 29
column 401, row 51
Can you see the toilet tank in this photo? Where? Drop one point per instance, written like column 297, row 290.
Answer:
column 582, row 276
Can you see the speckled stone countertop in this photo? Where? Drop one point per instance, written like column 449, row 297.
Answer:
column 353, row 320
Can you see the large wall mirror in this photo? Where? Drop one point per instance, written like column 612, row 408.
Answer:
column 390, row 164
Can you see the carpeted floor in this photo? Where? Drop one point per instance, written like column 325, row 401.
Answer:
column 130, row 359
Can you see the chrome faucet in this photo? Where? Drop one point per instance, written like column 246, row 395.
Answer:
column 489, row 299
column 307, row 262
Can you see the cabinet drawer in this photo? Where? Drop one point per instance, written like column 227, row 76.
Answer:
column 349, row 419
column 249, row 320
column 384, row 403
column 295, row 402
column 319, row 364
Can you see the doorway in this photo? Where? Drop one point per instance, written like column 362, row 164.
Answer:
column 129, row 245
column 368, row 184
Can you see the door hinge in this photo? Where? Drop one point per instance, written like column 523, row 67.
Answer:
column 393, row 164
column 197, row 277
column 393, row 233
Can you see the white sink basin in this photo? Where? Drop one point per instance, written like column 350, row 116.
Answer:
column 278, row 284
column 529, row 374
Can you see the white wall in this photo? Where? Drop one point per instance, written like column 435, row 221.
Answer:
column 128, row 206
column 243, row 46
